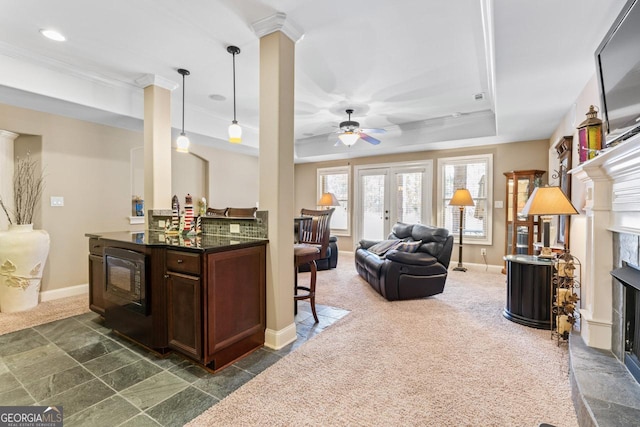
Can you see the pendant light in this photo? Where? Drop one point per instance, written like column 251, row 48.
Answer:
column 183, row 142
column 235, row 131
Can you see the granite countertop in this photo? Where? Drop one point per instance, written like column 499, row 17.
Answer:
column 199, row 243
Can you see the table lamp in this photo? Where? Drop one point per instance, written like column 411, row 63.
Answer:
column 327, row 200
column 461, row 198
column 547, row 201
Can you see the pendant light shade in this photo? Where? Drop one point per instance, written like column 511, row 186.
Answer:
column 235, row 131
column 182, row 142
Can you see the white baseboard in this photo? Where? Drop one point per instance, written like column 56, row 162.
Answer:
column 478, row 267
column 70, row 291
column 278, row 339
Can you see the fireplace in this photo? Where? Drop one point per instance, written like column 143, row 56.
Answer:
column 625, row 338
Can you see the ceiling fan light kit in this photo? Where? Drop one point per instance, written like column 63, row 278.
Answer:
column 349, row 138
column 182, row 143
column 351, row 132
column 235, row 131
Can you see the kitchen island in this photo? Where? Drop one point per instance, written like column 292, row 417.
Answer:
column 202, row 296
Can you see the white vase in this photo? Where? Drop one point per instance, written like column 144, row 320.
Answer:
column 23, row 253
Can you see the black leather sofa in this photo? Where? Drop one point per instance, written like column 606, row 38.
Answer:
column 400, row 275
column 331, row 261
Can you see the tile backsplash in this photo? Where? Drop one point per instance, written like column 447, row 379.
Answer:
column 221, row 226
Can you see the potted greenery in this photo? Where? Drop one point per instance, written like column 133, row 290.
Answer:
column 23, row 250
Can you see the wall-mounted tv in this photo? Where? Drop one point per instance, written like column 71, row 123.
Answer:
column 618, row 68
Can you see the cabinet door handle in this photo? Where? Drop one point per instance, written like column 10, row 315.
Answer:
column 180, row 261
column 166, row 276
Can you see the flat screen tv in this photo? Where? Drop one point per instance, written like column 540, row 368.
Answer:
column 618, row 69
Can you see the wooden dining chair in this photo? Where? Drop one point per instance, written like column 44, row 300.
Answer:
column 313, row 245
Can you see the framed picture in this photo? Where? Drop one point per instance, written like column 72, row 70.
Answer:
column 564, row 149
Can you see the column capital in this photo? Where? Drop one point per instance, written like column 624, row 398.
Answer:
column 278, row 22
column 156, row 80
column 10, row 136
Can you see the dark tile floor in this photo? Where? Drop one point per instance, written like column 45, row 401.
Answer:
column 101, row 379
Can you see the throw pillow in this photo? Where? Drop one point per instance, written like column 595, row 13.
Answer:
column 410, row 247
column 382, row 247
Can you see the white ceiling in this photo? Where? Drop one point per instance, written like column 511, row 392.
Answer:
column 412, row 67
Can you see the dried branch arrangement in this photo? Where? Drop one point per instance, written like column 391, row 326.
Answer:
column 28, row 184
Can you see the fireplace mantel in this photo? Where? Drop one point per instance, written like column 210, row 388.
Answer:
column 619, row 168
column 611, row 191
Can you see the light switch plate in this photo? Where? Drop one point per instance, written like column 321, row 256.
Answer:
column 234, row 228
column 57, row 201
column 498, row 204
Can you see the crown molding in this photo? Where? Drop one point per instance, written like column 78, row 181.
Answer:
column 156, row 80
column 60, row 66
column 278, row 22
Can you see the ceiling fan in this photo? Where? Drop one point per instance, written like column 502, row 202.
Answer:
column 350, row 132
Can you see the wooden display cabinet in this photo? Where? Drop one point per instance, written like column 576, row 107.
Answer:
column 521, row 230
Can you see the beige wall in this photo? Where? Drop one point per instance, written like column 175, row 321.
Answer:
column 233, row 178
column 506, row 157
column 89, row 165
column 576, row 115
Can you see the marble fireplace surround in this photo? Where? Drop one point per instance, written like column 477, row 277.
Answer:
column 603, row 390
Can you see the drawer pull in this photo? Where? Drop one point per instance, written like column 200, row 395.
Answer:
column 166, row 276
column 96, row 246
column 180, row 261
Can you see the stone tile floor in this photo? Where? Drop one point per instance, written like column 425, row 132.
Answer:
column 101, row 379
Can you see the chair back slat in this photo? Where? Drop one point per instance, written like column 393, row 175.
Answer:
column 317, row 231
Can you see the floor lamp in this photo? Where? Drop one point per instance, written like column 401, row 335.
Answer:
column 461, row 198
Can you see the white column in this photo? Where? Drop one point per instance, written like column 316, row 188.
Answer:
column 277, row 54
column 157, row 141
column 596, row 304
column 6, row 174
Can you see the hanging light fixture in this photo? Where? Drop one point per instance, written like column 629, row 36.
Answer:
column 349, row 138
column 183, row 142
column 235, row 131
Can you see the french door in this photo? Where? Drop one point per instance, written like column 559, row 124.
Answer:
column 386, row 194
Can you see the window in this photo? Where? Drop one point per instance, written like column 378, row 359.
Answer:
column 475, row 174
column 337, row 181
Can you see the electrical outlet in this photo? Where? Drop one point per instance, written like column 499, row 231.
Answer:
column 483, row 251
column 234, row 228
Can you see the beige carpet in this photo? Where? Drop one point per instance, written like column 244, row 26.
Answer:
column 450, row 360
column 44, row 312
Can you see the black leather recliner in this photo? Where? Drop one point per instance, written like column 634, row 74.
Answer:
column 331, row 261
column 398, row 275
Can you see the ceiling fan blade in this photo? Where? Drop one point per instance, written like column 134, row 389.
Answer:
column 373, row 130
column 369, row 139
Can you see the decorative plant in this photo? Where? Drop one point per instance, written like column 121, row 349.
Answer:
column 28, row 184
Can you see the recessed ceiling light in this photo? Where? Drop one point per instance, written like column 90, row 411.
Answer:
column 53, row 35
column 217, row 97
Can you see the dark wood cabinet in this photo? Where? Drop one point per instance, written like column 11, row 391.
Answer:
column 184, row 314
column 96, row 279
column 209, row 305
column 216, row 303
column 184, row 302
column 235, row 304
column 521, row 230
